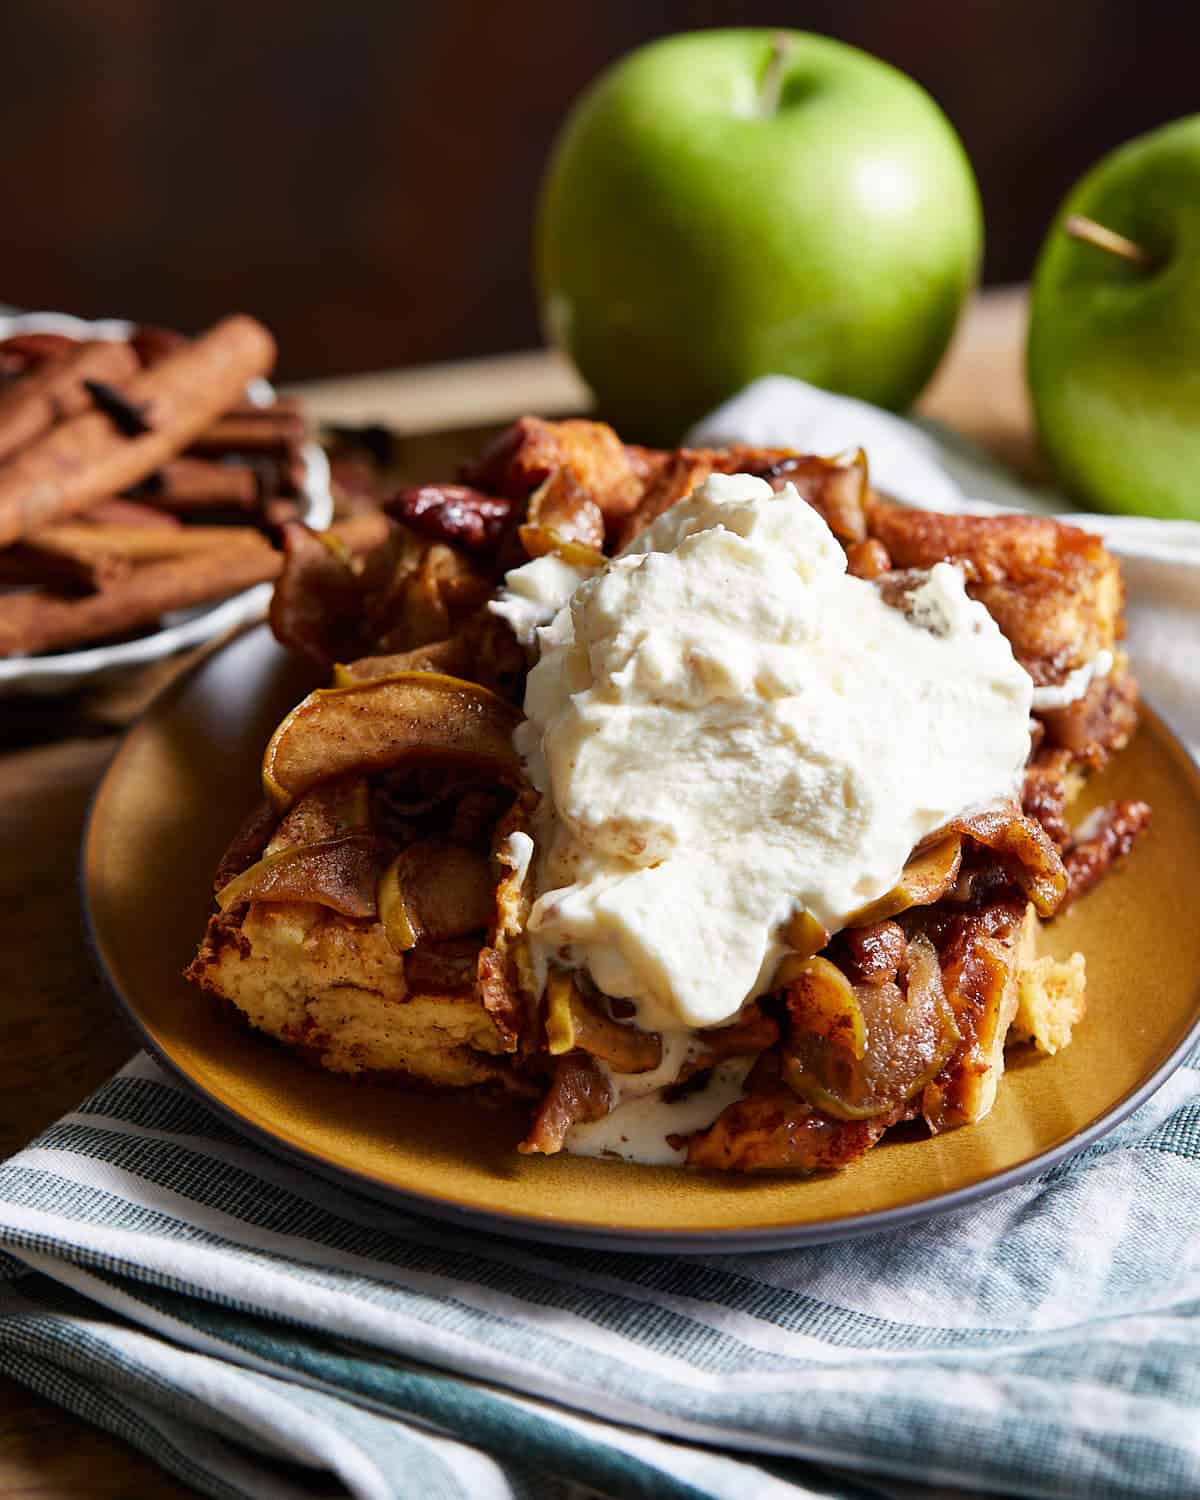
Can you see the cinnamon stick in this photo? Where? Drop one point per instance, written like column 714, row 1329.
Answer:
column 201, row 484
column 274, row 433
column 58, row 563
column 86, row 458
column 37, row 621
column 256, row 411
column 138, row 544
column 123, row 513
column 152, row 344
column 56, row 390
column 23, row 351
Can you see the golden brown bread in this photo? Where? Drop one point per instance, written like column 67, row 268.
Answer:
column 1051, row 1001
column 531, row 450
column 1054, row 590
column 333, row 988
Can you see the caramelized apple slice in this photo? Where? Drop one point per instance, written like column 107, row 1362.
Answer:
column 751, row 1034
column 822, row 1003
column 435, row 890
column 539, row 540
column 333, row 810
column 400, row 924
column 450, row 657
column 563, row 506
column 375, row 725
column 338, row 873
column 909, row 1033
column 982, row 958
column 1025, row 848
column 926, row 878
column 804, row 935
column 774, row 1131
column 579, row 1092
column 575, row 1022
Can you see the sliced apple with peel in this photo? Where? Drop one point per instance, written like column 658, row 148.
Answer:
column 340, row 873
column 926, row 878
column 386, row 722
column 400, row 923
column 1025, row 847
column 575, row 1022
column 804, row 936
column 753, row 1033
column 900, row 1039
column 332, row 810
column 449, row 657
column 821, row 1002
column 538, row 540
column 437, row 890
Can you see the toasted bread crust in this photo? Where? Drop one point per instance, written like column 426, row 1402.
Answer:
column 334, row 989
column 1054, row 590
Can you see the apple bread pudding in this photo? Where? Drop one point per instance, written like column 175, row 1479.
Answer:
column 708, row 800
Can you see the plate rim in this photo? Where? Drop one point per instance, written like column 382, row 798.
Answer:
column 573, row 1232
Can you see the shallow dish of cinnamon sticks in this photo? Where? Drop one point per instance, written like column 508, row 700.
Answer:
column 144, row 479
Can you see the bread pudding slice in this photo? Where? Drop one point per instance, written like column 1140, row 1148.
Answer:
column 334, row 988
column 369, row 927
column 372, row 917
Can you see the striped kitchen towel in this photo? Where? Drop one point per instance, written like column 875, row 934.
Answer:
column 262, row 1333
column 265, row 1334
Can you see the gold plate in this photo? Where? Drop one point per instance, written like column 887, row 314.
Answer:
column 188, row 772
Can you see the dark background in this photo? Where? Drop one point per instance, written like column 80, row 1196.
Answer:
column 361, row 174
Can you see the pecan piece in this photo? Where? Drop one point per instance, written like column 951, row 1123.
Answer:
column 1107, row 837
column 454, row 513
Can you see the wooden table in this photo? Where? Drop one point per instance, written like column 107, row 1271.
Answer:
column 59, row 1035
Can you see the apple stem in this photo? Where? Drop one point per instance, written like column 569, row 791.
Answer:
column 1106, row 239
column 771, row 87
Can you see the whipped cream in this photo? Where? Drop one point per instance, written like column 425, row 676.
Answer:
column 517, row 853
column 534, row 593
column 727, row 728
column 1074, row 685
column 643, row 1125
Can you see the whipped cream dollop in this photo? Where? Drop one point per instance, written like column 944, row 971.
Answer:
column 534, row 593
column 1074, row 685
column 727, row 728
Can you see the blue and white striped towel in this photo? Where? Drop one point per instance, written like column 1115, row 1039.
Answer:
column 246, row 1325
column 264, row 1334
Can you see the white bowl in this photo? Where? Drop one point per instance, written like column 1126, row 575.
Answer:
column 66, row 671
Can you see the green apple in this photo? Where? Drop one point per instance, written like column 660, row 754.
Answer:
column 727, row 204
column 1114, row 332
